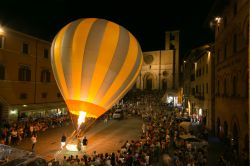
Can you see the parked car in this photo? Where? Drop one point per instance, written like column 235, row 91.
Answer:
column 194, row 141
column 118, row 114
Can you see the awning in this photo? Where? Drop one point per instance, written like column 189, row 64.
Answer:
column 40, row 106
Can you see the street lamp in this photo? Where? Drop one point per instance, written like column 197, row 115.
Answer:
column 1, row 29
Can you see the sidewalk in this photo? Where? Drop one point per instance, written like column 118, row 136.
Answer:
column 215, row 148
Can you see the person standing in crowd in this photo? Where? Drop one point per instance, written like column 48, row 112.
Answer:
column 143, row 128
column 63, row 141
column 31, row 129
column 106, row 119
column 84, row 144
column 33, row 140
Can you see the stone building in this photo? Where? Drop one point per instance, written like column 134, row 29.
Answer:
column 198, row 84
column 27, row 85
column 160, row 69
column 230, row 20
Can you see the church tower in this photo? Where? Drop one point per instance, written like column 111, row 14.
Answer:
column 172, row 43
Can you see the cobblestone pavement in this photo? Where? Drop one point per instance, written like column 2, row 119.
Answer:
column 101, row 137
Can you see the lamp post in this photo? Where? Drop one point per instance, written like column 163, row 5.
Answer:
column 1, row 30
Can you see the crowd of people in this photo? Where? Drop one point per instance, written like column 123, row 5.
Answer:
column 14, row 133
column 156, row 145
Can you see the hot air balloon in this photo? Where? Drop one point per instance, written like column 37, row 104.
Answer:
column 95, row 62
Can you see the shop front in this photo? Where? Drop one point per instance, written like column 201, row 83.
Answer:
column 34, row 111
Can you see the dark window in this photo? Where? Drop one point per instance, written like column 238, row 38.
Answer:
column 2, row 72
column 46, row 53
column 225, row 87
column 164, row 84
column 218, row 56
column 24, row 73
column 218, row 88
column 44, row 95
column 207, row 68
column 203, row 90
column 207, row 87
column 23, row 96
column 225, row 21
column 172, row 36
column 235, row 43
column 225, row 51
column 197, row 90
column 1, row 41
column 58, row 94
column 247, row 87
column 247, row 33
column 193, row 91
column 25, row 48
column 234, row 86
column 172, row 47
column 235, row 8
column 192, row 77
column 45, row 76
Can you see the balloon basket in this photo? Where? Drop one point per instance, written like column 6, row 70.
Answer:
column 73, row 144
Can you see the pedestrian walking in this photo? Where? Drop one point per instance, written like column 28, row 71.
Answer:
column 33, row 140
column 63, row 141
column 106, row 120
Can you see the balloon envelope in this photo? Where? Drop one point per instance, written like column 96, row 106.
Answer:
column 95, row 62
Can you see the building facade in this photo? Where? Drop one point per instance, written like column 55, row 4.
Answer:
column 27, row 85
column 230, row 20
column 198, row 84
column 160, row 69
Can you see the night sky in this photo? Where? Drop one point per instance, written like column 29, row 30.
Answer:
column 146, row 21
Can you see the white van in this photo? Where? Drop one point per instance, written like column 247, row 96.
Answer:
column 118, row 114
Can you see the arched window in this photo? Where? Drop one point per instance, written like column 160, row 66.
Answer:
column 45, row 76
column 218, row 87
column 164, row 84
column 2, row 72
column 247, row 86
column 225, row 129
column 218, row 126
column 24, row 73
column 225, row 87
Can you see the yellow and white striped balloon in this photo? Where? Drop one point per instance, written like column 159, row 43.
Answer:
column 95, row 62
